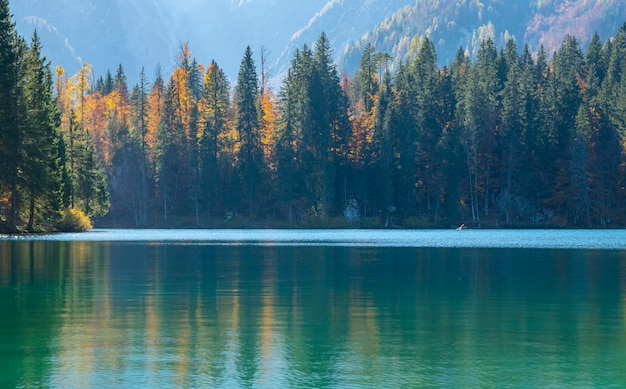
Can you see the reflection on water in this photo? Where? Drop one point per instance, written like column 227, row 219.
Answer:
column 96, row 314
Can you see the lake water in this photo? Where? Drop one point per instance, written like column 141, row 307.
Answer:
column 313, row 309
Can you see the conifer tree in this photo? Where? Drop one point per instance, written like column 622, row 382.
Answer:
column 41, row 168
column 9, row 130
column 250, row 157
column 214, row 127
column 427, row 113
column 290, row 148
column 330, row 129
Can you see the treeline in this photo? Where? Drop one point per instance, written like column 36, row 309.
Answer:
column 49, row 179
column 505, row 139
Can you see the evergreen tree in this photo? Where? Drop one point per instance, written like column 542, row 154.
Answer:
column 10, row 137
column 382, row 161
column 480, row 119
column 291, row 152
column 513, row 127
column 405, row 137
column 331, row 129
column 428, row 111
column 250, row 158
column 214, row 151
column 565, row 92
column 90, row 187
column 167, row 150
column 41, row 168
column 366, row 77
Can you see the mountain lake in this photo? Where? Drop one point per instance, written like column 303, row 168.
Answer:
column 313, row 309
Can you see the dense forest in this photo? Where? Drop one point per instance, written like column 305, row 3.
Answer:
column 506, row 138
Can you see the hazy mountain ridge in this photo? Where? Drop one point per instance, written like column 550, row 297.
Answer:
column 451, row 24
column 139, row 34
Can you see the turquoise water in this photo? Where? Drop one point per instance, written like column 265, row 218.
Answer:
column 323, row 309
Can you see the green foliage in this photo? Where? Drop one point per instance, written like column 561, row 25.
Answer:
column 501, row 139
column 251, row 167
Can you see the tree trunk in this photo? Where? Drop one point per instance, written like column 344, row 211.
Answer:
column 31, row 212
column 13, row 225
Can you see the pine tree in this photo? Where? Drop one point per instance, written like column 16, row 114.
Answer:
column 214, row 150
column 10, row 137
column 382, row 162
column 41, row 168
column 405, row 137
column 290, row 149
column 366, row 77
column 250, row 158
column 513, row 126
column 90, row 187
column 429, row 126
column 480, row 118
column 565, row 91
column 330, row 129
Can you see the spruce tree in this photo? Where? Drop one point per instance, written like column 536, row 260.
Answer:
column 10, row 137
column 41, row 168
column 250, row 159
column 214, row 124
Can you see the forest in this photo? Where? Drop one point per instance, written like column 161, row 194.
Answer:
column 508, row 138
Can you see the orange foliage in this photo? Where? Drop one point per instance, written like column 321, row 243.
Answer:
column 153, row 115
column 96, row 122
column 186, row 101
column 269, row 117
column 78, row 87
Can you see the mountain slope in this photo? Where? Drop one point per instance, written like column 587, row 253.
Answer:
column 139, row 33
column 451, row 24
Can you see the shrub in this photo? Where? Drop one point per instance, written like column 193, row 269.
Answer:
column 415, row 222
column 74, row 220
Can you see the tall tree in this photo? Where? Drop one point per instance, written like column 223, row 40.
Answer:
column 250, row 158
column 366, row 77
column 405, row 137
column 79, row 86
column 215, row 159
column 41, row 167
column 292, row 154
column 513, row 126
column 566, row 97
column 428, row 111
column 330, row 129
column 9, row 94
column 480, row 119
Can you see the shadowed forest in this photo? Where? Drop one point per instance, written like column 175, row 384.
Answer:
column 508, row 138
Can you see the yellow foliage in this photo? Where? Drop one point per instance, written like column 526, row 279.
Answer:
column 74, row 220
column 268, row 122
column 96, row 121
column 78, row 87
column 155, row 102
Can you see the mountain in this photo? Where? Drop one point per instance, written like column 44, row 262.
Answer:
column 454, row 24
column 139, row 33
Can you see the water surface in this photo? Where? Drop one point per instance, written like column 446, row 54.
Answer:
column 324, row 309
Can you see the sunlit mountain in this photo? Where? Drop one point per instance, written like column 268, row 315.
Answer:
column 138, row 33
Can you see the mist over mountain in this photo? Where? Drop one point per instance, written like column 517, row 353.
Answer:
column 138, row 33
